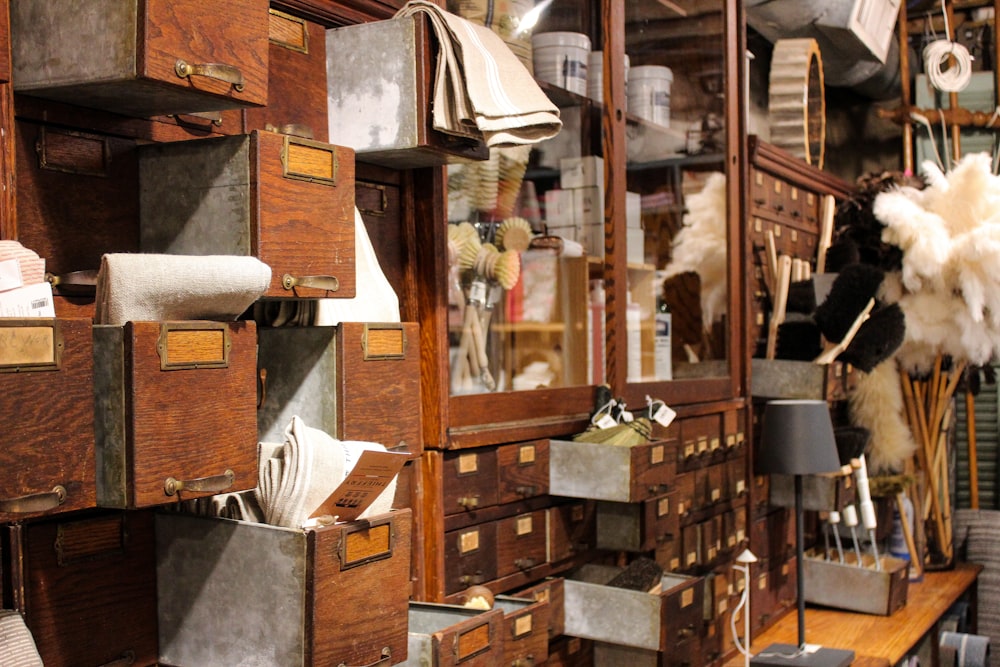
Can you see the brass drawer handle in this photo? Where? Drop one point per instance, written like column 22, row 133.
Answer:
column 469, row 502
column 529, row 490
column 328, row 283
column 35, row 502
column 215, row 484
column 525, row 563
column 127, row 658
column 385, row 658
column 228, row 73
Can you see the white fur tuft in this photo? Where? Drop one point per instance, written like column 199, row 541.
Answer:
column 877, row 404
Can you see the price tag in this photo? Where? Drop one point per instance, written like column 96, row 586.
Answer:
column 664, row 415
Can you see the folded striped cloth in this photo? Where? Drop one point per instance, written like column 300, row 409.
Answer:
column 17, row 646
column 151, row 287
column 480, row 86
column 32, row 266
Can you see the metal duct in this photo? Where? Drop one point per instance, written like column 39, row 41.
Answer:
column 846, row 62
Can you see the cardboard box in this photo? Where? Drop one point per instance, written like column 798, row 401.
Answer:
column 581, row 172
column 633, row 210
column 559, row 208
column 588, row 205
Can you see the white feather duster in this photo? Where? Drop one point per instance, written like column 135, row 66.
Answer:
column 877, row 404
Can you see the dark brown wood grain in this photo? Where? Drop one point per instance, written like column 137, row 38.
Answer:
column 526, row 626
column 469, row 481
column 97, row 607
column 375, row 592
column 523, row 470
column 520, row 543
column 41, row 453
column 572, row 527
column 470, row 556
column 189, row 423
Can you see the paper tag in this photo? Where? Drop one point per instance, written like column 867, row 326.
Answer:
column 664, row 415
column 373, row 472
column 10, row 275
column 31, row 301
column 606, row 421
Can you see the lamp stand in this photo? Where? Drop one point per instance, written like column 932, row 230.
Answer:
column 801, row 655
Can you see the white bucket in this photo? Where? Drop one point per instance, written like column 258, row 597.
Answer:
column 561, row 58
column 595, row 78
column 649, row 93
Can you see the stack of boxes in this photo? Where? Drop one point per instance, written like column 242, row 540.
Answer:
column 575, row 210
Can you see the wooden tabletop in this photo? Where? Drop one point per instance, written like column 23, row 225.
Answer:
column 877, row 640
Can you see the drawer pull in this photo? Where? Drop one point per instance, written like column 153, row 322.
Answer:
column 471, row 579
column 529, row 490
column 127, row 658
column 384, row 659
column 215, row 484
column 525, row 563
column 527, row 661
column 469, row 502
column 329, row 283
column 35, row 502
column 228, row 73
column 658, row 488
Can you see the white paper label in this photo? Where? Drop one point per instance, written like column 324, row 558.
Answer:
column 664, row 416
column 10, row 275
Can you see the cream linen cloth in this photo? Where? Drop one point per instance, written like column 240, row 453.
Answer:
column 481, row 85
column 17, row 646
column 295, row 477
column 150, row 287
column 32, row 266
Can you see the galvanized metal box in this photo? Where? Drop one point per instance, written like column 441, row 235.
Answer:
column 857, row 587
column 601, row 471
column 174, row 411
column 147, row 58
column 356, row 381
column 445, row 635
column 381, row 107
column 46, row 465
column 637, row 526
column 285, row 200
column 239, row 593
column 643, row 620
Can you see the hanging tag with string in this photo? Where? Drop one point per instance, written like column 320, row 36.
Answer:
column 660, row 412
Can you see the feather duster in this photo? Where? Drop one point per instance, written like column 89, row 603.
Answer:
column 877, row 405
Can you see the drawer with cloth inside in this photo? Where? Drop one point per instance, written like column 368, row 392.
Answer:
column 46, row 370
column 142, row 59
column 85, row 585
column 241, row 593
column 670, row 612
column 638, row 526
column 285, row 200
column 447, row 635
column 615, row 472
column 355, row 381
column 174, row 411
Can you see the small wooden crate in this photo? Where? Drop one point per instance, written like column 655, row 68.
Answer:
column 445, row 635
column 239, row 593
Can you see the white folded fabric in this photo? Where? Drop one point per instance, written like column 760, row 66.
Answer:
column 152, row 287
column 480, row 85
column 17, row 646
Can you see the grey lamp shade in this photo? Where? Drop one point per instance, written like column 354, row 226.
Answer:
column 797, row 439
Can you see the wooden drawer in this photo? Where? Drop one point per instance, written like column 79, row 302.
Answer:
column 610, row 472
column 692, row 554
column 734, row 528
column 396, row 90
column 641, row 620
column 175, row 415
column 736, row 477
column 571, row 529
column 208, row 567
column 710, row 535
column 526, row 630
column 470, row 556
column 470, row 480
column 523, row 470
column 445, row 635
column 355, row 381
column 46, row 369
column 285, row 200
column 296, row 82
column 734, row 429
column 142, row 58
column 86, row 587
column 568, row 651
column 521, row 543
column 700, row 437
column 550, row 591
column 637, row 526
column 668, row 555
column 77, row 196
column 686, row 653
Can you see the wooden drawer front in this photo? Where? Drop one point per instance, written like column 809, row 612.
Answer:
column 568, row 651
column 296, row 93
column 86, row 587
column 76, row 196
column 684, row 495
column 312, row 575
column 700, row 437
column 773, row 536
column 610, row 472
column 734, row 528
column 175, row 420
column 128, row 57
column 736, row 477
column 571, row 529
column 523, row 470
column 761, row 494
column 691, row 554
column 379, row 385
column 520, row 543
column 378, row 197
column 470, row 556
column 733, row 429
column 710, row 534
column 447, row 635
column 470, row 480
column 668, row 555
column 363, row 566
column 637, row 526
column 526, row 630
column 550, row 591
column 46, row 369
column 285, row 200
column 683, row 609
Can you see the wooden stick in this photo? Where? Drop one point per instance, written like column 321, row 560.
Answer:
column 911, row 546
column 829, row 207
column 780, row 303
column 970, row 432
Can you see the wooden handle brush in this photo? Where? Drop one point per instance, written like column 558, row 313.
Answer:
column 827, row 211
column 780, row 303
column 834, row 351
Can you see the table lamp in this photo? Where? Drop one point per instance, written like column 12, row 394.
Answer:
column 797, row 439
